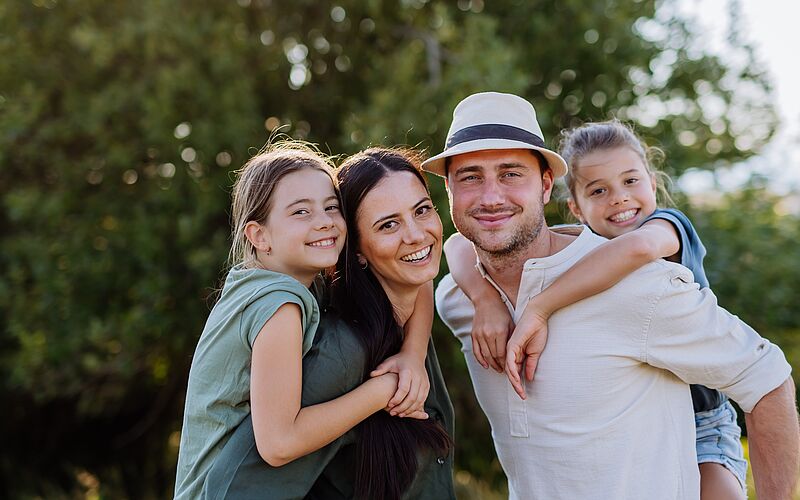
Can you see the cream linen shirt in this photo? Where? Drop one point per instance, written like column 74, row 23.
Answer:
column 609, row 414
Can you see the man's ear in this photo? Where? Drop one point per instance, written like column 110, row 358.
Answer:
column 575, row 209
column 548, row 181
column 259, row 236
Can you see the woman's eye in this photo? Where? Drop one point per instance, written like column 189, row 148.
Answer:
column 332, row 208
column 632, row 180
column 302, row 211
column 424, row 209
column 389, row 225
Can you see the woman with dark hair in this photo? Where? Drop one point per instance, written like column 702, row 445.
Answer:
column 390, row 258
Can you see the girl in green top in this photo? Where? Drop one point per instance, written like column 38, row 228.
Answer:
column 287, row 228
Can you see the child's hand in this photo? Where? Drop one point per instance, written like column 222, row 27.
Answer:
column 491, row 326
column 525, row 346
column 412, row 387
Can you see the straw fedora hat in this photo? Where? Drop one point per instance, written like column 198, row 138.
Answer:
column 491, row 120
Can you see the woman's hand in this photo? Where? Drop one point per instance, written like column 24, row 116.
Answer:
column 412, row 386
column 525, row 346
column 491, row 326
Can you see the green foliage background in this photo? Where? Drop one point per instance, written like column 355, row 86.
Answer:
column 120, row 125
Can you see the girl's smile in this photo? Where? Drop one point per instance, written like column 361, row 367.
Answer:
column 614, row 192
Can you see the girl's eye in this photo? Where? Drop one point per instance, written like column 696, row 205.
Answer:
column 332, row 208
column 632, row 180
column 302, row 211
column 597, row 191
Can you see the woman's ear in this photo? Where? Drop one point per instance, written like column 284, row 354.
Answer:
column 575, row 209
column 654, row 183
column 259, row 236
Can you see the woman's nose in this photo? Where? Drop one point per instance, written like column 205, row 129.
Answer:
column 414, row 233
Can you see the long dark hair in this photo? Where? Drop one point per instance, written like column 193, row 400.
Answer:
column 387, row 446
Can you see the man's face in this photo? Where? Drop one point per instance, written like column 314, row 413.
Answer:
column 497, row 198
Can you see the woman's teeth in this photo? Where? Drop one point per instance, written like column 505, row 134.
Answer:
column 417, row 256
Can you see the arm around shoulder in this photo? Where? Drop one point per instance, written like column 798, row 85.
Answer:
column 283, row 430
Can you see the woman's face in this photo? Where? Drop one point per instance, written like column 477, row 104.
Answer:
column 400, row 232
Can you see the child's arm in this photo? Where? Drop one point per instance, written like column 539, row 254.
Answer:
column 283, row 430
column 409, row 364
column 492, row 322
column 597, row 271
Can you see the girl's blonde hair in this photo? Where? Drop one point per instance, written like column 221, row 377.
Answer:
column 255, row 184
column 578, row 142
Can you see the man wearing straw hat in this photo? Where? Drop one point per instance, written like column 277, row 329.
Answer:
column 600, row 421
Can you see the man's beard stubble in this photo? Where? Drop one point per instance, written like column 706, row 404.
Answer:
column 518, row 242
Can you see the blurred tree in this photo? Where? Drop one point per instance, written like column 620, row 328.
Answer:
column 120, row 123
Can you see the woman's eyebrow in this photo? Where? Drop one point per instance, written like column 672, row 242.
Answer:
column 392, row 216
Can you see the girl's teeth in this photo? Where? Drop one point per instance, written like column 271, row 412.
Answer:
column 624, row 216
column 323, row 243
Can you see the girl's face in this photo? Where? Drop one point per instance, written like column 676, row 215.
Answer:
column 613, row 192
column 305, row 226
column 400, row 232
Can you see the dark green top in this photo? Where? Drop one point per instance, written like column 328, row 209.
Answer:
column 218, row 392
column 333, row 366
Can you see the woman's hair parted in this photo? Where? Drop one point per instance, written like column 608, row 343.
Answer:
column 255, row 185
column 578, row 142
column 387, row 446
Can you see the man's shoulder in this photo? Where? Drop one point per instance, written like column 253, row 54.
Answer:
column 655, row 276
column 447, row 293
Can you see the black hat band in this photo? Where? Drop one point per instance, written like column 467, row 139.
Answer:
column 494, row 131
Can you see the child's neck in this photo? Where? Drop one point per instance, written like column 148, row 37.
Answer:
column 306, row 278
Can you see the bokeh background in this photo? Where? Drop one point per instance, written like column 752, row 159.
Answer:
column 121, row 124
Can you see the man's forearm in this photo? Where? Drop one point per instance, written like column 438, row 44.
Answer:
column 774, row 440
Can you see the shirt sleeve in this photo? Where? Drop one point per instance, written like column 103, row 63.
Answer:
column 455, row 309
column 692, row 251
column 691, row 336
column 261, row 310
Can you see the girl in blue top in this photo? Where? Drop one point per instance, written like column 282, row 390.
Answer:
column 287, row 228
column 613, row 191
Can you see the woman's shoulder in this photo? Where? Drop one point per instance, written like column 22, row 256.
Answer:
column 336, row 333
column 335, row 363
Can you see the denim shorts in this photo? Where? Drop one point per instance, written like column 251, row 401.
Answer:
column 718, row 440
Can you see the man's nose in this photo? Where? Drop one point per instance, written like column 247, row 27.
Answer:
column 492, row 193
